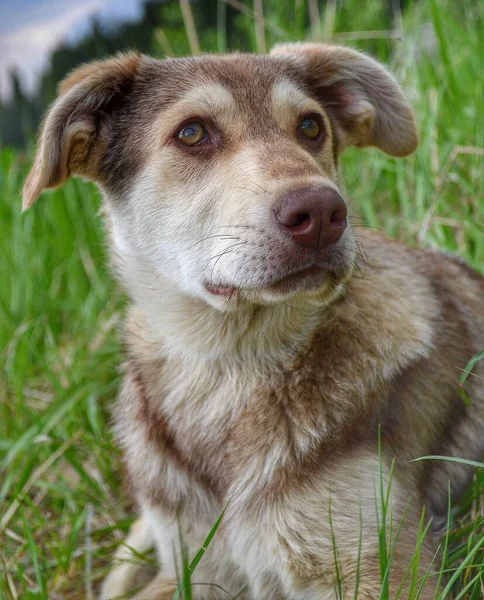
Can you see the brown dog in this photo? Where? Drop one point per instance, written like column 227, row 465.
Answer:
column 260, row 366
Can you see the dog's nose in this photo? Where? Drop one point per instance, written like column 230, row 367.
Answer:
column 313, row 217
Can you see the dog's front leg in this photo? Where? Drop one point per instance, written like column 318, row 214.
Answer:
column 322, row 536
column 127, row 571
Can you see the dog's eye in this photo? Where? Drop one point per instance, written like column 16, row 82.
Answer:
column 191, row 134
column 311, row 128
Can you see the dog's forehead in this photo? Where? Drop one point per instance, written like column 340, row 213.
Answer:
column 250, row 80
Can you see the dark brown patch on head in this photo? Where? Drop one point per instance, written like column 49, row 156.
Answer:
column 160, row 84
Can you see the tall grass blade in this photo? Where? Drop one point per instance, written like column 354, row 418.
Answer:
column 190, row 28
column 190, row 568
column 260, row 34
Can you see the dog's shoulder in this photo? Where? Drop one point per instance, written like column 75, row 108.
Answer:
column 403, row 305
column 389, row 305
column 394, row 269
column 383, row 252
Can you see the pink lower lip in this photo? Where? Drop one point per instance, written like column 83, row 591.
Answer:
column 220, row 290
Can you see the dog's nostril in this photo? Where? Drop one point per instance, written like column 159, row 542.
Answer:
column 338, row 218
column 301, row 221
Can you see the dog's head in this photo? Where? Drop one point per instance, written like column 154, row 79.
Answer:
column 220, row 172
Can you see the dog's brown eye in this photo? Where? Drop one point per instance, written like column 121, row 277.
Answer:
column 191, row 134
column 310, row 128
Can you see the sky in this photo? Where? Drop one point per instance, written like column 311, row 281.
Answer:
column 31, row 29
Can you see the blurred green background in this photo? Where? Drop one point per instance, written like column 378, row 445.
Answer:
column 160, row 28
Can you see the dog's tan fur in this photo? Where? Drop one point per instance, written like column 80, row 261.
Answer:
column 271, row 400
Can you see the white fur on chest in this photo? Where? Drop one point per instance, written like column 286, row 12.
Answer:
column 204, row 397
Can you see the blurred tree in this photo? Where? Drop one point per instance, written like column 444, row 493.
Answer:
column 221, row 25
column 19, row 115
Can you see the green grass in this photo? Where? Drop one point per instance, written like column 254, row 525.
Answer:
column 63, row 508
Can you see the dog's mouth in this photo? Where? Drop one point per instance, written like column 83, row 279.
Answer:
column 221, row 290
column 308, row 278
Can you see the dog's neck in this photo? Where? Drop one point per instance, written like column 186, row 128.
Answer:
column 258, row 337
column 168, row 322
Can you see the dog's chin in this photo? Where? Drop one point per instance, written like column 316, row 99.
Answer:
column 314, row 284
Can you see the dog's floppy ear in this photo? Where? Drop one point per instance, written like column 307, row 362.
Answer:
column 366, row 103
column 72, row 135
